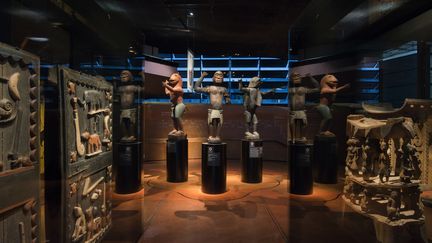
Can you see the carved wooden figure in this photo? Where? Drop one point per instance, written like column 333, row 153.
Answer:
column 328, row 93
column 401, row 139
column 173, row 88
column 217, row 94
column 297, row 97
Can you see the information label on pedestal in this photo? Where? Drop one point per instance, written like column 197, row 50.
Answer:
column 213, row 157
column 126, row 156
column 304, row 158
column 255, row 152
column 171, row 147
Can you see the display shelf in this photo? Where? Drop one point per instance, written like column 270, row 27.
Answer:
column 273, row 72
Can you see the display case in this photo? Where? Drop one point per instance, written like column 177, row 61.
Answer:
column 19, row 146
column 78, row 167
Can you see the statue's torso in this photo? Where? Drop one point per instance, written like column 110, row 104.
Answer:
column 127, row 96
column 216, row 96
column 252, row 99
column 297, row 98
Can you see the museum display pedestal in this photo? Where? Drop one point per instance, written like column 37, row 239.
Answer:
column 251, row 160
column 325, row 159
column 177, row 159
column 427, row 211
column 213, row 168
column 128, row 177
column 301, row 175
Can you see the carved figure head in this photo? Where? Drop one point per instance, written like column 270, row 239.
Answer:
column 394, row 194
column 329, row 81
column 295, row 78
column 175, row 79
column 416, row 141
column 218, row 77
column 255, row 82
column 383, row 144
column 126, row 76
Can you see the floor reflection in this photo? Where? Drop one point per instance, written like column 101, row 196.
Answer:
column 169, row 212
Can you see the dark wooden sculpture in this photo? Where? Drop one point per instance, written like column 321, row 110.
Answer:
column 79, row 164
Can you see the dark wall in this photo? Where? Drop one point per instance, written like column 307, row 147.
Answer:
column 273, row 128
column 399, row 79
column 347, row 69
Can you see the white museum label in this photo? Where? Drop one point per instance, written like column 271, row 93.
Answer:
column 255, row 152
column 213, row 157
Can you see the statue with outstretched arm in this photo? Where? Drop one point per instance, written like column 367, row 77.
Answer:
column 217, row 94
column 328, row 93
column 297, row 93
column 252, row 99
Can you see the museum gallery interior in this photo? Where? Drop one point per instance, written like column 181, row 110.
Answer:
column 215, row 121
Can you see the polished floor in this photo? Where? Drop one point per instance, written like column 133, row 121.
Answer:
column 266, row 212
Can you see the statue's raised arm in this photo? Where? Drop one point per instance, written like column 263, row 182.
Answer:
column 197, row 86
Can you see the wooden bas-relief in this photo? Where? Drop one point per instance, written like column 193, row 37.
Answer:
column 19, row 146
column 82, row 132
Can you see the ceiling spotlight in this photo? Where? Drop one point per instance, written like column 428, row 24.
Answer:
column 191, row 14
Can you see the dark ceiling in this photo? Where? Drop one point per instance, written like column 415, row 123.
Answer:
column 86, row 28
column 227, row 27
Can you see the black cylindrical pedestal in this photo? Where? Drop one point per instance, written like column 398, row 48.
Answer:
column 213, row 168
column 128, row 177
column 251, row 160
column 177, row 160
column 325, row 159
column 301, row 176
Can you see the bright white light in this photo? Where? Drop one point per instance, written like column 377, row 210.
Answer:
column 38, row 39
column 191, row 14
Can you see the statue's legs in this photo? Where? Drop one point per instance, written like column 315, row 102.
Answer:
column 177, row 118
column 298, row 122
column 219, row 124
column 210, row 124
column 254, row 125
column 292, row 128
column 299, row 130
column 248, row 118
column 326, row 115
column 124, row 123
column 215, row 121
column 132, row 129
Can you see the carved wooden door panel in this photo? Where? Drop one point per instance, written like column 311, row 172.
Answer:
column 78, row 171
column 19, row 145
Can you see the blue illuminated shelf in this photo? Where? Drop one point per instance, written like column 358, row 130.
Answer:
column 273, row 73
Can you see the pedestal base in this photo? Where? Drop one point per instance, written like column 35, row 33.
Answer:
column 427, row 211
column 325, row 159
column 128, row 177
column 213, row 168
column 177, row 160
column 301, row 176
column 251, row 160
